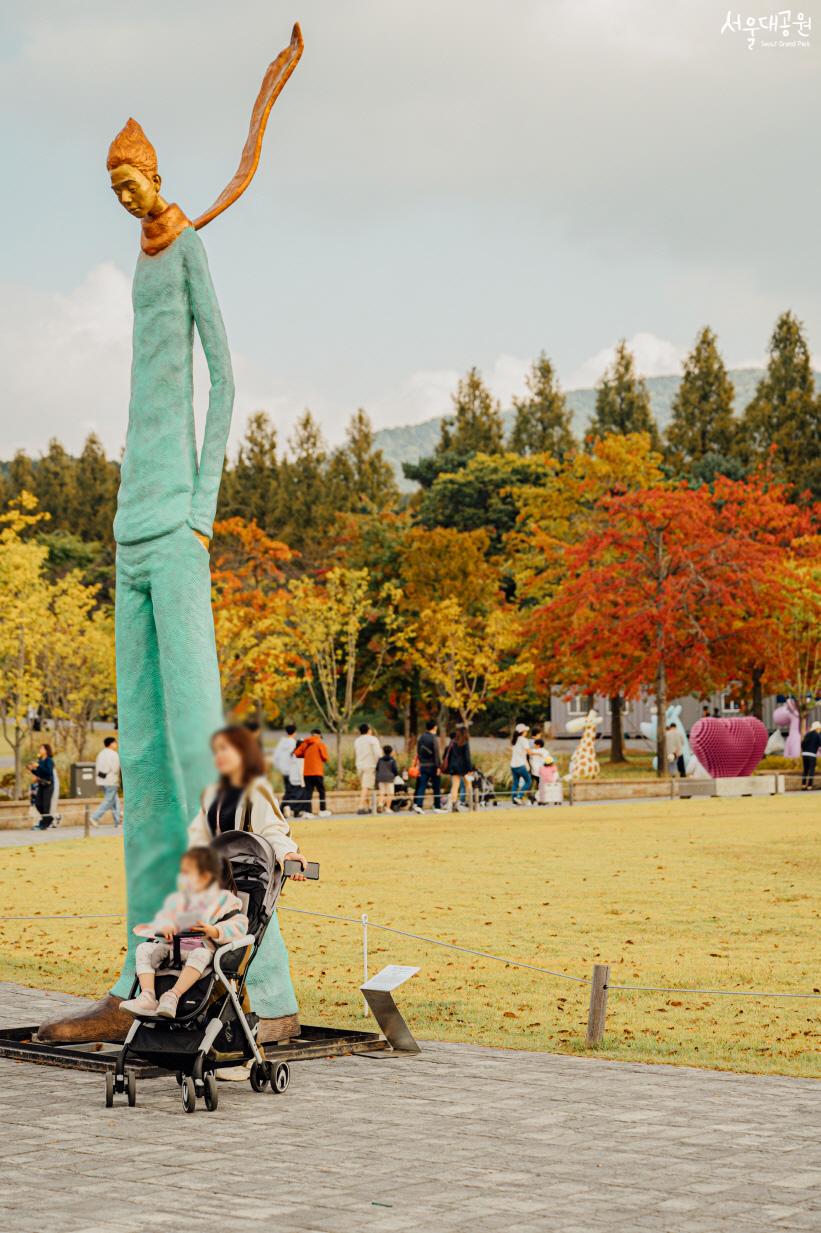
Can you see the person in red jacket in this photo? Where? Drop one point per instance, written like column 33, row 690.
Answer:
column 314, row 753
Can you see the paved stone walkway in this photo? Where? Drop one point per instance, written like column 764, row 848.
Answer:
column 460, row 1138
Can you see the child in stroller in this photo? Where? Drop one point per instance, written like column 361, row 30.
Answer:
column 214, row 1026
column 401, row 793
column 206, row 912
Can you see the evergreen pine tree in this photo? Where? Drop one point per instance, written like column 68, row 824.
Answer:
column 97, row 479
column 702, row 417
column 543, row 420
column 303, row 506
column 359, row 476
column 250, row 487
column 476, row 424
column 55, row 485
column 623, row 400
column 785, row 412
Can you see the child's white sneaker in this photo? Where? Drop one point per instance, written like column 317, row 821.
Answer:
column 144, row 1004
column 167, row 1007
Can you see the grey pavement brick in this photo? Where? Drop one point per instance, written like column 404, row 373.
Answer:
column 459, row 1140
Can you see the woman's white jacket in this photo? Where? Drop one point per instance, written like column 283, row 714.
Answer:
column 257, row 811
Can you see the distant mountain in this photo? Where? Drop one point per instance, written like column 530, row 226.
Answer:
column 415, row 441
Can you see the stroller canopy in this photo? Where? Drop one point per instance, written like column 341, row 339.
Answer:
column 254, row 867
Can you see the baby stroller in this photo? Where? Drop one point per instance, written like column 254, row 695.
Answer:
column 401, row 794
column 214, row 1026
column 484, row 788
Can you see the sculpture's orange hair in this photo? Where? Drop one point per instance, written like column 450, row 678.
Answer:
column 132, row 146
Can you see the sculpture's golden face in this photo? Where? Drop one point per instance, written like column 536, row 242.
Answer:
column 136, row 192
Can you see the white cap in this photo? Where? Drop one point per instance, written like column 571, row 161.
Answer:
column 522, row 728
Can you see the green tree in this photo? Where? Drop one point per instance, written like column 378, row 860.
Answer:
column 250, row 488
column 543, row 420
column 303, row 510
column 623, row 400
column 702, row 422
column 359, row 476
column 55, row 485
column 783, row 416
column 475, row 427
column 483, row 494
column 97, row 480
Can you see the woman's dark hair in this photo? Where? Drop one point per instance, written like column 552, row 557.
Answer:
column 460, row 735
column 48, row 749
column 209, row 861
column 249, row 749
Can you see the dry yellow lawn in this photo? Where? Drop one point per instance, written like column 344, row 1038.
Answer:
column 712, row 894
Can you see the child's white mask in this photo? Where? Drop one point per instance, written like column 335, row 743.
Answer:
column 185, row 883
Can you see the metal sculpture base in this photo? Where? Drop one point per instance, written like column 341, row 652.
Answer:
column 312, row 1042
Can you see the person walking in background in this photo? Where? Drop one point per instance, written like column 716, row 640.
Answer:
column 429, row 760
column 675, row 749
column 809, row 755
column 290, row 768
column 107, row 774
column 519, row 765
column 314, row 754
column 458, row 765
column 42, row 773
column 386, row 774
column 367, row 752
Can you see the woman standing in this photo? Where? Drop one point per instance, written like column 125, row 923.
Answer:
column 242, row 799
column 458, row 765
column 519, row 766
column 42, row 774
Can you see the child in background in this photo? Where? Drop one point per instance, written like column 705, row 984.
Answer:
column 386, row 773
column 203, row 903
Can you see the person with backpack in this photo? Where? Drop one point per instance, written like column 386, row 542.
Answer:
column 458, row 765
column 387, row 772
column 314, row 754
column 428, row 766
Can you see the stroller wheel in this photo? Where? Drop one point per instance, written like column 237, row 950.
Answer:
column 131, row 1088
column 260, row 1075
column 280, row 1078
column 189, row 1094
column 211, row 1093
column 109, row 1089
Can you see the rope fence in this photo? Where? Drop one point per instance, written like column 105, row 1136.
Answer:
column 599, row 982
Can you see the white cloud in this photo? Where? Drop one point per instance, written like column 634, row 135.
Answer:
column 655, row 357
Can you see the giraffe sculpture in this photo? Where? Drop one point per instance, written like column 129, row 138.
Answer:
column 584, row 764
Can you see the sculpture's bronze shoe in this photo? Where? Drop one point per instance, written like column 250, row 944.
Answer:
column 286, row 1027
column 102, row 1021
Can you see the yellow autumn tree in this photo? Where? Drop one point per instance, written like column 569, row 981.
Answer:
column 468, row 658
column 343, row 632
column 76, row 662
column 25, row 624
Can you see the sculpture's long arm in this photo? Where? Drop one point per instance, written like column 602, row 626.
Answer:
column 272, row 84
column 211, row 330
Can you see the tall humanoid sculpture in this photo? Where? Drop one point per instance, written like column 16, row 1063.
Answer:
column 168, row 688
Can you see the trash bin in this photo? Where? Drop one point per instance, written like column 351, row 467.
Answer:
column 84, row 781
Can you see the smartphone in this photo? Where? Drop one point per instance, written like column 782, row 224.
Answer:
column 311, row 869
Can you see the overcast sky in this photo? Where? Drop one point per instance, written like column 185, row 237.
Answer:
column 442, row 184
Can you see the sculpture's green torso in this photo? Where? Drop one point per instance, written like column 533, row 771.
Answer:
column 161, row 487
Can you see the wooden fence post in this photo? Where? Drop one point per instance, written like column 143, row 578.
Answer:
column 598, row 1003
column 86, row 820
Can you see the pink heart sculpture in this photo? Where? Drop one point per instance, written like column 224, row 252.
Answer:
column 726, row 747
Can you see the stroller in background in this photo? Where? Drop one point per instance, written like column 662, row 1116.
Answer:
column 484, row 788
column 401, row 794
column 215, row 1026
